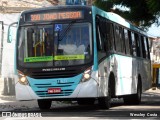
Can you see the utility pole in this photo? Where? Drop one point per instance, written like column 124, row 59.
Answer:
column 1, row 44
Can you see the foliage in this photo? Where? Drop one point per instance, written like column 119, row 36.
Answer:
column 154, row 8
column 142, row 13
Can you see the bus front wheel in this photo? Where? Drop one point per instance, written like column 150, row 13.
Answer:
column 44, row 104
column 105, row 102
column 86, row 102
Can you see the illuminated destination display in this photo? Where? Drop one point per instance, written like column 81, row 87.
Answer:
column 56, row 16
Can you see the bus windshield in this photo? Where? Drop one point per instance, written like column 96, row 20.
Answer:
column 54, row 45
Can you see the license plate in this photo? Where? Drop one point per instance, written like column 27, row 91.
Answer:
column 54, row 90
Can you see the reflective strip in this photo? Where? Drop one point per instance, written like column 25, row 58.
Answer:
column 38, row 59
column 51, row 58
column 69, row 57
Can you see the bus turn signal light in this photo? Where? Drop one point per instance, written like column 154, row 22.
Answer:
column 87, row 74
column 22, row 78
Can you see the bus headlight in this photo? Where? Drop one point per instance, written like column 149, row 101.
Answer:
column 22, row 78
column 87, row 74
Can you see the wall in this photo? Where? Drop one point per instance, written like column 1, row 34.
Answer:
column 7, row 72
column 155, row 51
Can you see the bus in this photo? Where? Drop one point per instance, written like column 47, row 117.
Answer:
column 80, row 53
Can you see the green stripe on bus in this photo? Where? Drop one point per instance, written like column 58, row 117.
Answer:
column 38, row 59
column 51, row 58
column 69, row 57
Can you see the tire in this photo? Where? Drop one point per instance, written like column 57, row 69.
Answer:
column 105, row 102
column 134, row 99
column 86, row 102
column 137, row 96
column 44, row 104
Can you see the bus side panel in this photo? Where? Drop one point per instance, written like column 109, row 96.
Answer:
column 90, row 87
column 103, row 78
column 128, row 70
column 135, row 72
column 124, row 71
column 146, row 74
column 104, row 70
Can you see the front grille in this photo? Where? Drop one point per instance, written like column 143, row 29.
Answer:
column 67, row 80
column 54, row 74
column 45, row 94
column 66, row 89
column 67, row 85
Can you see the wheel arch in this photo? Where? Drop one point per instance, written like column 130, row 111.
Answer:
column 112, row 83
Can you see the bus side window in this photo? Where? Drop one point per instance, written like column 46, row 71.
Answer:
column 146, row 47
column 100, row 38
column 127, row 45
column 103, row 33
column 110, row 37
column 133, row 43
column 119, row 41
column 122, row 41
column 137, row 45
column 143, row 47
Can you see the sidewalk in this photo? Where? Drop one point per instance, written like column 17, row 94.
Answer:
column 153, row 90
column 9, row 103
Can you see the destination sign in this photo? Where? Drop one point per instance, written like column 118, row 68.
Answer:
column 55, row 16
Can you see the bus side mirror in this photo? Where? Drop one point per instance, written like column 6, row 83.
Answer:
column 10, row 32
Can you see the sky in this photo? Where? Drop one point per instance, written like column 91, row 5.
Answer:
column 154, row 30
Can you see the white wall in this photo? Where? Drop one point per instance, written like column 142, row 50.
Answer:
column 8, row 48
column 155, row 51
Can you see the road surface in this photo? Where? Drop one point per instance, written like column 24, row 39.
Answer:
column 149, row 108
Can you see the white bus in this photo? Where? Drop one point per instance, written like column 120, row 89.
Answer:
column 80, row 53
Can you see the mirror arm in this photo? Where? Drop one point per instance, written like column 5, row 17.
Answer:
column 14, row 23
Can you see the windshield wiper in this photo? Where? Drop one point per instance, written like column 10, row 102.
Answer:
column 63, row 34
column 66, row 30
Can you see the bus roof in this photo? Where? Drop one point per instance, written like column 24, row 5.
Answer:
column 117, row 19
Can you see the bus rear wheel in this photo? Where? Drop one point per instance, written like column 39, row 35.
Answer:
column 134, row 99
column 44, row 104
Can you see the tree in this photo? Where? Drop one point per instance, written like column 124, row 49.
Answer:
column 154, row 8
column 142, row 13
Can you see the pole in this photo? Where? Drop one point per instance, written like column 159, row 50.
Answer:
column 1, row 46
